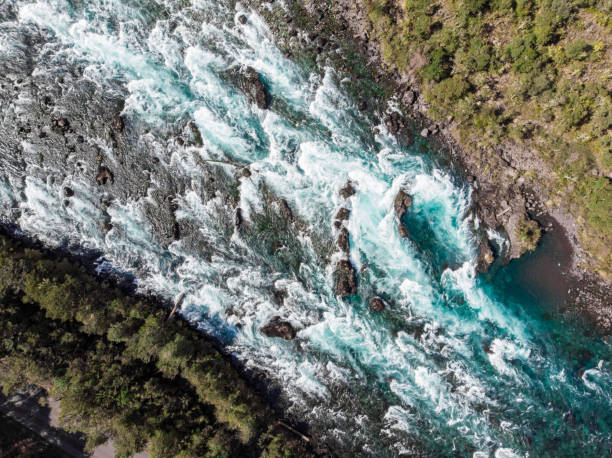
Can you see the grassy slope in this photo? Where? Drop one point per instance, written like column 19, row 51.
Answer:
column 532, row 73
column 121, row 369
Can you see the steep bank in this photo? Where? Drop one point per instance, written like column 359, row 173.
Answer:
column 514, row 184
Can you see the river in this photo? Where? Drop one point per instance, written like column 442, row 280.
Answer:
column 455, row 365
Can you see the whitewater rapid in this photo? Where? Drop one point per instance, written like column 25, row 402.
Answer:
column 449, row 368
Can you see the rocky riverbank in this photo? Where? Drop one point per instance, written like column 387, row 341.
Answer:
column 507, row 196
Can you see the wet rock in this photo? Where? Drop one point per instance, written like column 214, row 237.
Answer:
column 245, row 172
column 402, row 202
column 254, row 88
column 68, row 192
column 376, row 304
column 362, row 106
column 403, row 231
column 61, row 124
column 118, row 123
column 345, row 282
column 347, row 191
column 278, row 296
column 337, row 224
column 196, row 134
column 425, row 132
column 176, row 231
column 279, row 329
column 343, row 240
column 343, row 214
column 285, row 211
column 103, row 176
column 238, row 218
column 242, row 19
column 485, row 256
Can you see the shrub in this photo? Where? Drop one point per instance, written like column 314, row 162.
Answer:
column 545, row 27
column 439, row 65
column 447, row 92
column 473, row 7
column 575, row 110
column 523, row 52
column 523, row 8
column 529, row 234
column 478, row 56
column 577, row 50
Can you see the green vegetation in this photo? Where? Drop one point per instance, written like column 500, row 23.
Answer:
column 530, row 72
column 529, row 234
column 122, row 369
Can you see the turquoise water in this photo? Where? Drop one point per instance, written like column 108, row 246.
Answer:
column 458, row 365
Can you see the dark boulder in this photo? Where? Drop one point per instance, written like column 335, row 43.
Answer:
column 394, row 122
column 347, row 191
column 402, row 202
column 238, row 218
column 343, row 240
column 254, row 88
column 278, row 328
column 68, row 192
column 362, row 106
column 103, row 176
column 242, row 19
column 345, row 282
column 343, row 214
column 376, row 304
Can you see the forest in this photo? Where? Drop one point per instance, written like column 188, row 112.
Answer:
column 122, row 369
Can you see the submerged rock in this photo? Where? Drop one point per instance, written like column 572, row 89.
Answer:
column 343, row 240
column 376, row 304
column 278, row 328
column 347, row 191
column 345, row 282
column 402, row 202
column 254, row 88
